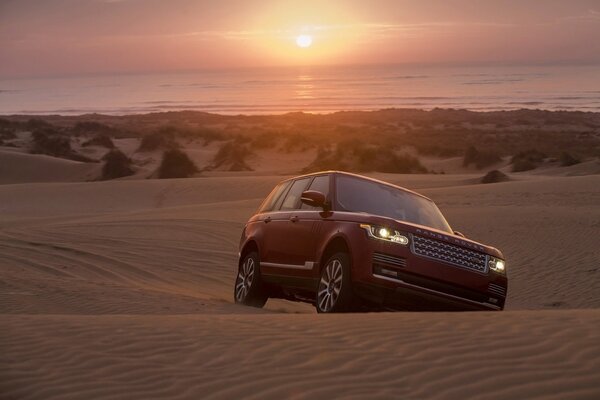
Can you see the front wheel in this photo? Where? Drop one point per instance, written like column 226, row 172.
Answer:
column 249, row 289
column 334, row 292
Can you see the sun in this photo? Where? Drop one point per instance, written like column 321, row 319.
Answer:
column 304, row 41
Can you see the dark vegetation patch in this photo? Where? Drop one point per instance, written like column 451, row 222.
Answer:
column 566, row 159
column 52, row 143
column 7, row 129
column 356, row 157
column 232, row 156
column 158, row 140
column 34, row 124
column 495, row 176
column 296, row 142
column 116, row 165
column 480, row 158
column 208, row 135
column 176, row 164
column 438, row 132
column 101, row 140
column 264, row 140
column 171, row 132
column 527, row 160
column 95, row 128
column 7, row 134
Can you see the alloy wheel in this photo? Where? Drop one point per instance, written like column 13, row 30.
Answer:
column 244, row 279
column 330, row 285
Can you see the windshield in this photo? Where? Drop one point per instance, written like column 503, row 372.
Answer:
column 361, row 195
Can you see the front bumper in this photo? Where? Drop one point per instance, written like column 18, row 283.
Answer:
column 394, row 276
column 408, row 296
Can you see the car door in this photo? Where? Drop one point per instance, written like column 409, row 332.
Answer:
column 307, row 228
column 278, row 239
column 268, row 212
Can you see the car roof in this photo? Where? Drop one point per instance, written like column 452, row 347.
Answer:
column 335, row 172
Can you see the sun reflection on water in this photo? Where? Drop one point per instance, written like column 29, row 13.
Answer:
column 304, row 87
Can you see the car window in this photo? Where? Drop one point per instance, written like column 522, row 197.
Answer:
column 272, row 198
column 292, row 199
column 320, row 184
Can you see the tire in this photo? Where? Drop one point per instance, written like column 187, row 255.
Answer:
column 249, row 289
column 334, row 290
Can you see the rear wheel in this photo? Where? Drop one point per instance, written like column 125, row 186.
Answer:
column 249, row 289
column 334, row 292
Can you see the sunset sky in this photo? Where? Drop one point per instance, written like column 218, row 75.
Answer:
column 70, row 37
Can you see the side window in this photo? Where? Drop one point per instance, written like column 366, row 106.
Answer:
column 320, row 184
column 292, row 200
column 272, row 198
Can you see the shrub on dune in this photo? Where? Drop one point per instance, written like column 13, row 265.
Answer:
column 526, row 160
column 495, row 176
column 158, row 140
column 53, row 144
column 566, row 159
column 116, row 165
column 295, row 142
column 480, row 158
column 326, row 159
column 232, row 156
column 93, row 127
column 383, row 159
column 352, row 156
column 209, row 135
column 7, row 130
column 36, row 123
column 523, row 165
column 265, row 140
column 176, row 164
column 100, row 140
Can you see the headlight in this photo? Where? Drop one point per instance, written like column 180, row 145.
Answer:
column 383, row 233
column 497, row 265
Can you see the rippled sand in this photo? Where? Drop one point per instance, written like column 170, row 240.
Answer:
column 124, row 290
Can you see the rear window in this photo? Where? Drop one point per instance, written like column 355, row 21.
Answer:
column 292, row 200
column 272, row 198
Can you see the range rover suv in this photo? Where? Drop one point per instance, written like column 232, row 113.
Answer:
column 345, row 242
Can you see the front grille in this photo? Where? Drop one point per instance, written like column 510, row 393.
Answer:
column 449, row 253
column 497, row 290
column 380, row 258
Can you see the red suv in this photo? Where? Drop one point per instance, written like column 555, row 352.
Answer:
column 347, row 242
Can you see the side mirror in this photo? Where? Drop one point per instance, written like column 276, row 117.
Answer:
column 313, row 198
column 457, row 233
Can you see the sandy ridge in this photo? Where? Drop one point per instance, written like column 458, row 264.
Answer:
column 550, row 354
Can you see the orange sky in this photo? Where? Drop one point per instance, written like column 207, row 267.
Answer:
column 67, row 37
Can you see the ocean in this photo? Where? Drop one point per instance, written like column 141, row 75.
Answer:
column 310, row 89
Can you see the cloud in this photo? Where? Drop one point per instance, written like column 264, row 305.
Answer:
column 371, row 29
column 590, row 15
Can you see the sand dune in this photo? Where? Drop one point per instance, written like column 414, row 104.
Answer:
column 550, row 354
column 123, row 289
column 18, row 167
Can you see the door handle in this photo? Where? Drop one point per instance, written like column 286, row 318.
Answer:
column 294, row 218
column 267, row 220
